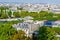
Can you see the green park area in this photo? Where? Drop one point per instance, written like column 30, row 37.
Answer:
column 5, row 13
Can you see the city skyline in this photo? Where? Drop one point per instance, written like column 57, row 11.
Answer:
column 31, row 1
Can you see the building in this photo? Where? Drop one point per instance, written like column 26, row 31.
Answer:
column 56, row 23
column 48, row 23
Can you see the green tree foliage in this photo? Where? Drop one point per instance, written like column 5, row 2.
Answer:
column 3, row 8
column 57, row 30
column 49, row 18
column 20, row 8
column 16, row 14
column 50, row 14
column 41, row 18
column 0, row 14
column 3, row 16
column 9, row 13
column 58, row 16
column 6, row 31
column 33, row 14
column 46, row 33
column 43, row 13
column 14, row 22
column 24, row 13
column 20, row 35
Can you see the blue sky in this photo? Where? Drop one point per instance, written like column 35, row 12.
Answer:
column 33, row 1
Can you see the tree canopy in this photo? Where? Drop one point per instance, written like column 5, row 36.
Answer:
column 46, row 33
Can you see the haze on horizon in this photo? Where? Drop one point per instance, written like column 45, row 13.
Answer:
column 32, row 1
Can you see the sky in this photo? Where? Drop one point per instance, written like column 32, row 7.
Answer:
column 31, row 1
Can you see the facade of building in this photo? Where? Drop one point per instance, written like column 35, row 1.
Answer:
column 29, row 27
column 56, row 23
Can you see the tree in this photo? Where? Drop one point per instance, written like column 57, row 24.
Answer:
column 57, row 30
column 21, row 8
column 24, row 13
column 33, row 14
column 46, row 33
column 20, row 35
column 6, row 31
column 50, row 14
column 43, row 13
column 16, row 14
column 3, row 8
column 58, row 16
column 3, row 15
column 9, row 13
